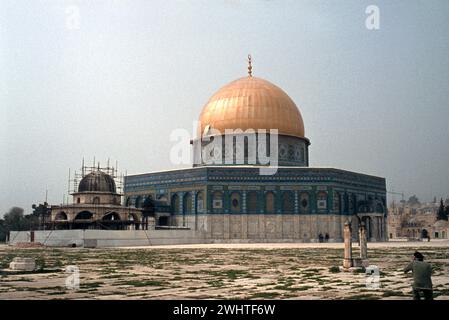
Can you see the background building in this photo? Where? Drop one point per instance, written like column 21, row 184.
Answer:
column 97, row 205
column 415, row 220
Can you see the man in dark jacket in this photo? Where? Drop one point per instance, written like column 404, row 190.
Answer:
column 422, row 282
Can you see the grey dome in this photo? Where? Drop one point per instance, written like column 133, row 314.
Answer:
column 97, row 181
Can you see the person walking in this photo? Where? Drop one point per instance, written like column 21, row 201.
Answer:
column 422, row 277
column 320, row 237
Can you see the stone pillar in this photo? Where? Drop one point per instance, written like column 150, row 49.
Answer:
column 347, row 262
column 296, row 202
column 375, row 229
column 363, row 242
column 243, row 202
column 379, row 229
column 195, row 208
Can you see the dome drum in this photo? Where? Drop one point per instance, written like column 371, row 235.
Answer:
column 243, row 108
column 292, row 151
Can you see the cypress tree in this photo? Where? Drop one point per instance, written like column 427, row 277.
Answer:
column 442, row 212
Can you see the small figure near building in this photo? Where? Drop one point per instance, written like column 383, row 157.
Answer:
column 422, row 282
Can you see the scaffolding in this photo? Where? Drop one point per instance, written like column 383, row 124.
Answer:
column 77, row 175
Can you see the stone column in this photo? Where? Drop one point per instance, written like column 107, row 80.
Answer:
column 347, row 262
column 195, row 208
column 375, row 229
column 296, row 202
column 243, row 202
column 379, row 231
column 363, row 242
column 181, row 208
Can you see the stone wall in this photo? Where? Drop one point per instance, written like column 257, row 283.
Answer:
column 209, row 228
column 108, row 238
column 270, row 227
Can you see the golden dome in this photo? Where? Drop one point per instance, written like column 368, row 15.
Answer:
column 251, row 103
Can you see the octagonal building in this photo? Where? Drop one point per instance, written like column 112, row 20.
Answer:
column 228, row 197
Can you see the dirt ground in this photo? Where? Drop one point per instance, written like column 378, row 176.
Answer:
column 221, row 271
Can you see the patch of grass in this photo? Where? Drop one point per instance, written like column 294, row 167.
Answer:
column 441, row 292
column 148, row 283
column 334, row 269
column 92, row 284
column 264, row 295
column 363, row 297
column 263, row 284
column 360, row 270
column 193, row 288
column 59, row 288
column 303, row 288
column 215, row 283
column 358, row 285
column 116, row 276
column 231, row 274
column 54, row 293
column 13, row 273
column 391, row 293
column 326, row 288
column 314, row 270
column 18, row 280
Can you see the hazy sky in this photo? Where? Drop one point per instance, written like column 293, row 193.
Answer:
column 117, row 81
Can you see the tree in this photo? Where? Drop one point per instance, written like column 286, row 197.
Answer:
column 15, row 220
column 3, row 231
column 442, row 212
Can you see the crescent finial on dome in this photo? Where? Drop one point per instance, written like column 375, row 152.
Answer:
column 250, row 67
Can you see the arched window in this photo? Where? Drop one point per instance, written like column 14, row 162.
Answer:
column 61, row 216
column 269, row 202
column 96, row 200
column 337, row 202
column 175, row 203
column 379, row 208
column 217, row 201
column 288, row 202
column 187, row 203
column 235, row 202
column 321, row 200
column 148, row 202
column 251, row 202
column 84, row 215
column 368, row 226
column 350, row 203
column 128, row 202
column 304, row 202
column 162, row 221
column 200, row 201
column 112, row 216
column 138, row 202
